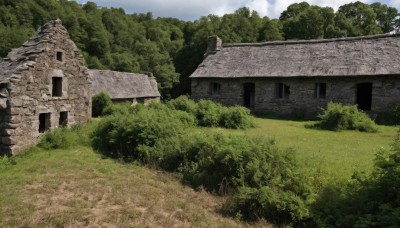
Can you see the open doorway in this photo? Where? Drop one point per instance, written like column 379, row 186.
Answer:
column 44, row 122
column 364, row 96
column 248, row 89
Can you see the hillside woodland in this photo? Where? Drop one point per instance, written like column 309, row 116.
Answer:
column 109, row 38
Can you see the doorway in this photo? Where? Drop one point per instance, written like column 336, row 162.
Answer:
column 364, row 96
column 248, row 89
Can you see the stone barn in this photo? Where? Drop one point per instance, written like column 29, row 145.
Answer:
column 43, row 85
column 301, row 77
column 123, row 86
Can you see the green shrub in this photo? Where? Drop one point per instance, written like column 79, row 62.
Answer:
column 208, row 113
column 59, row 138
column 339, row 117
column 236, row 117
column 124, row 108
column 65, row 138
column 367, row 201
column 100, row 102
column 183, row 103
column 126, row 135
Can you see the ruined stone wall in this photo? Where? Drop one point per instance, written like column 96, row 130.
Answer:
column 302, row 100
column 31, row 92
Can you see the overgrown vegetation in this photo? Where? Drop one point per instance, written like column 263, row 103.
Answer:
column 338, row 117
column 166, row 137
column 100, row 103
column 260, row 179
column 66, row 138
column 211, row 114
column 369, row 200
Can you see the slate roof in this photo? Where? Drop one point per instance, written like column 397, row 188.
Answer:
column 122, row 85
column 24, row 57
column 358, row 56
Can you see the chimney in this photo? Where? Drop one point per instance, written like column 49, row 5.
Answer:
column 214, row 44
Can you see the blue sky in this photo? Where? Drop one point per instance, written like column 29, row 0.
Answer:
column 194, row 9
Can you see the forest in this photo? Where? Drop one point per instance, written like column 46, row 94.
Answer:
column 170, row 48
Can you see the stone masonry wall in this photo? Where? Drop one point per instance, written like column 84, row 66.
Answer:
column 385, row 93
column 31, row 93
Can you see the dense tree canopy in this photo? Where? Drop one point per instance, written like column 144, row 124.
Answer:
column 172, row 49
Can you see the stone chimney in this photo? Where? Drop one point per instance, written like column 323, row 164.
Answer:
column 214, row 44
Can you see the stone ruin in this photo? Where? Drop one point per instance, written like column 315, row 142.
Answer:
column 43, row 85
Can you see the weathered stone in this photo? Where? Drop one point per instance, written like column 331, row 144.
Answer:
column 3, row 103
column 32, row 92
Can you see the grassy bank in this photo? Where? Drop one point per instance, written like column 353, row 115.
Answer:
column 77, row 187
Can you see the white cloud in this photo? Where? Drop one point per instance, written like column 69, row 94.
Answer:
column 194, row 9
column 261, row 6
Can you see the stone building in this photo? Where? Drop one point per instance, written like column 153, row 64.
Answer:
column 301, row 77
column 43, row 85
column 123, row 86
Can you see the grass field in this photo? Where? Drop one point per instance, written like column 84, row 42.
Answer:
column 76, row 188
column 327, row 155
column 79, row 187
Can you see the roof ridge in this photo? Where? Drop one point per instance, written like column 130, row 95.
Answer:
column 309, row 41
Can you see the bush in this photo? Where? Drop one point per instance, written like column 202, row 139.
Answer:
column 339, row 117
column 367, row 201
column 59, row 138
column 65, row 138
column 100, row 102
column 124, row 108
column 183, row 103
column 126, row 135
column 208, row 113
column 237, row 117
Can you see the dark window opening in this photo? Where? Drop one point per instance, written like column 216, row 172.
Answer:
column 59, row 56
column 320, row 90
column 249, row 90
column 215, row 88
column 56, row 86
column 364, row 96
column 63, row 121
column 44, row 122
column 282, row 90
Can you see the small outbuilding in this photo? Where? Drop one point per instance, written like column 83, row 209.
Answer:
column 301, row 77
column 43, row 85
column 123, row 86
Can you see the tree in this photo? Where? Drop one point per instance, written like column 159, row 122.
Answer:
column 385, row 16
column 362, row 17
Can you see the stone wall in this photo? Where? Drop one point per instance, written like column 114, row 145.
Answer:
column 302, row 100
column 30, row 93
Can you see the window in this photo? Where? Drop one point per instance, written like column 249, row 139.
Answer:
column 320, row 90
column 282, row 90
column 59, row 56
column 215, row 88
column 63, row 121
column 44, row 122
column 56, row 87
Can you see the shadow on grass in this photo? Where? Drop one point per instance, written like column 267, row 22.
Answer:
column 291, row 117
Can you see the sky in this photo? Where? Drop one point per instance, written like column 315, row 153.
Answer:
column 194, row 9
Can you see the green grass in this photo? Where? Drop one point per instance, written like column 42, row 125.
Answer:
column 324, row 155
column 78, row 187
